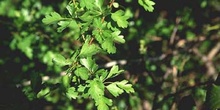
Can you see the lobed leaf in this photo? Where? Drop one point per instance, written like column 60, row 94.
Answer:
column 114, row 89
column 71, row 93
column 120, row 18
column 51, row 18
column 147, row 4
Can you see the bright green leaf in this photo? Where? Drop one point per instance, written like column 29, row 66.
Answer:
column 102, row 73
column 89, row 4
column 51, row 18
column 60, row 60
column 120, row 18
column 71, row 93
column 96, row 89
column 147, row 4
column 127, row 87
column 88, row 49
column 108, row 45
column 63, row 25
column 117, row 37
column 103, row 103
column 114, row 71
column 114, row 89
column 82, row 72
column 89, row 63
column 43, row 92
column 65, row 81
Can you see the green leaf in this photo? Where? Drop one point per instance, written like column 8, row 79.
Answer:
column 63, row 25
column 114, row 71
column 147, row 4
column 213, row 97
column 89, row 4
column 51, row 18
column 71, row 93
column 88, row 49
column 43, row 92
column 114, row 89
column 102, row 73
column 120, row 18
column 127, row 87
column 103, row 103
column 89, row 63
column 117, row 37
column 82, row 72
column 60, row 60
column 99, row 3
column 96, row 90
column 108, row 45
column 65, row 81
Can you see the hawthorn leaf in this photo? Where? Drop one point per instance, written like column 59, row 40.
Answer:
column 114, row 71
column 60, row 60
column 82, row 72
column 89, row 63
column 102, row 74
column 147, row 4
column 63, row 25
column 89, row 4
column 117, row 37
column 51, row 18
column 71, row 93
column 114, row 89
column 88, row 49
column 96, row 90
column 108, row 45
column 126, row 87
column 43, row 92
column 120, row 18
column 103, row 103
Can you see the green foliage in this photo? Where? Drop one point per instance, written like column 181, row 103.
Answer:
column 213, row 97
column 60, row 52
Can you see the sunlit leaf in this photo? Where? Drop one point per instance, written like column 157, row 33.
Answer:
column 120, row 18
column 147, row 4
column 51, row 18
column 71, row 93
